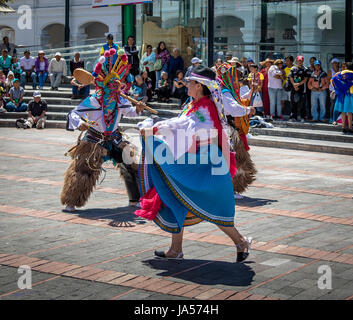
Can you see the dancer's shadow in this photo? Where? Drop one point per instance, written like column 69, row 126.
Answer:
column 254, row 202
column 120, row 217
column 205, row 272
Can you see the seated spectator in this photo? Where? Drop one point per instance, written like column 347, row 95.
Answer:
column 194, row 63
column 10, row 47
column 5, row 62
column 27, row 63
column 149, row 83
column 175, row 63
column 179, row 87
column 79, row 90
column 139, row 89
column 41, row 66
column 318, row 84
column 76, row 63
column 16, row 95
column 9, row 82
column 37, row 109
column 16, row 68
column 163, row 90
column 2, row 100
column 57, row 71
column 2, row 79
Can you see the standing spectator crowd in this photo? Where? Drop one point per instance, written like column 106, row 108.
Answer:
column 274, row 86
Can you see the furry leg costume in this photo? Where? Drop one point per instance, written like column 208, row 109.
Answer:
column 246, row 171
column 80, row 179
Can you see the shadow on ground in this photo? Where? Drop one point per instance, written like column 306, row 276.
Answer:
column 205, row 272
column 254, row 202
column 120, row 217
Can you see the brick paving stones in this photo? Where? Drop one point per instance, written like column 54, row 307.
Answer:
column 299, row 213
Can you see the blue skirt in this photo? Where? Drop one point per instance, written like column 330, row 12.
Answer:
column 190, row 192
column 346, row 105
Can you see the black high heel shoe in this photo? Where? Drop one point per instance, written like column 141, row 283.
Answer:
column 242, row 256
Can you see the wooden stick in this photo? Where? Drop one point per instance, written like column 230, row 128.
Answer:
column 132, row 100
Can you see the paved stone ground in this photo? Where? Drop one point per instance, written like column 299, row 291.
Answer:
column 299, row 212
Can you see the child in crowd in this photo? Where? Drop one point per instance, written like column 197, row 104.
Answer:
column 16, row 95
column 16, row 68
column 139, row 89
column 8, row 82
column 256, row 80
column 149, row 84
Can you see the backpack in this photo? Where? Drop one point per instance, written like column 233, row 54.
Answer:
column 21, row 123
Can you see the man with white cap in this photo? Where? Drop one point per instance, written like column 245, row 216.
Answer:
column 195, row 62
column 37, row 109
column 57, row 70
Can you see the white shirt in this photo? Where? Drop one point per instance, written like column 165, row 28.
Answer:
column 57, row 66
column 75, row 121
column 180, row 132
column 273, row 82
column 42, row 66
column 27, row 64
column 232, row 107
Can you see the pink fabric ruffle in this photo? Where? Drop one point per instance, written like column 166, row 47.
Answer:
column 232, row 165
column 150, row 203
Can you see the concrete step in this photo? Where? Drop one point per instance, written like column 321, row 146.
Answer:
column 17, row 115
column 59, row 124
column 65, row 100
column 56, row 100
column 304, row 134
column 302, row 144
column 307, row 125
column 63, row 93
column 61, row 116
column 168, row 113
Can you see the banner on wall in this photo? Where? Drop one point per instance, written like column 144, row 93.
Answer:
column 113, row 3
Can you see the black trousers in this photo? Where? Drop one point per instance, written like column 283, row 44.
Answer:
column 297, row 103
column 130, row 175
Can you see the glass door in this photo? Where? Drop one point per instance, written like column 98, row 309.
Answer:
column 180, row 24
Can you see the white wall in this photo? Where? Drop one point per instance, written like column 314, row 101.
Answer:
column 45, row 13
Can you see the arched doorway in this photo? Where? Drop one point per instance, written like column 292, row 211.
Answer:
column 228, row 36
column 93, row 30
column 281, row 35
column 6, row 31
column 53, row 36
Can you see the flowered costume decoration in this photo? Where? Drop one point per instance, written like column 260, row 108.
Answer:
column 103, row 140
column 237, row 114
column 195, row 183
column 343, row 85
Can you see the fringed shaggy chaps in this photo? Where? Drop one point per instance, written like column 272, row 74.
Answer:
column 80, row 179
column 246, row 170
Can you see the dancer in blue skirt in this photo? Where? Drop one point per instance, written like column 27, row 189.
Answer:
column 343, row 85
column 187, row 168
